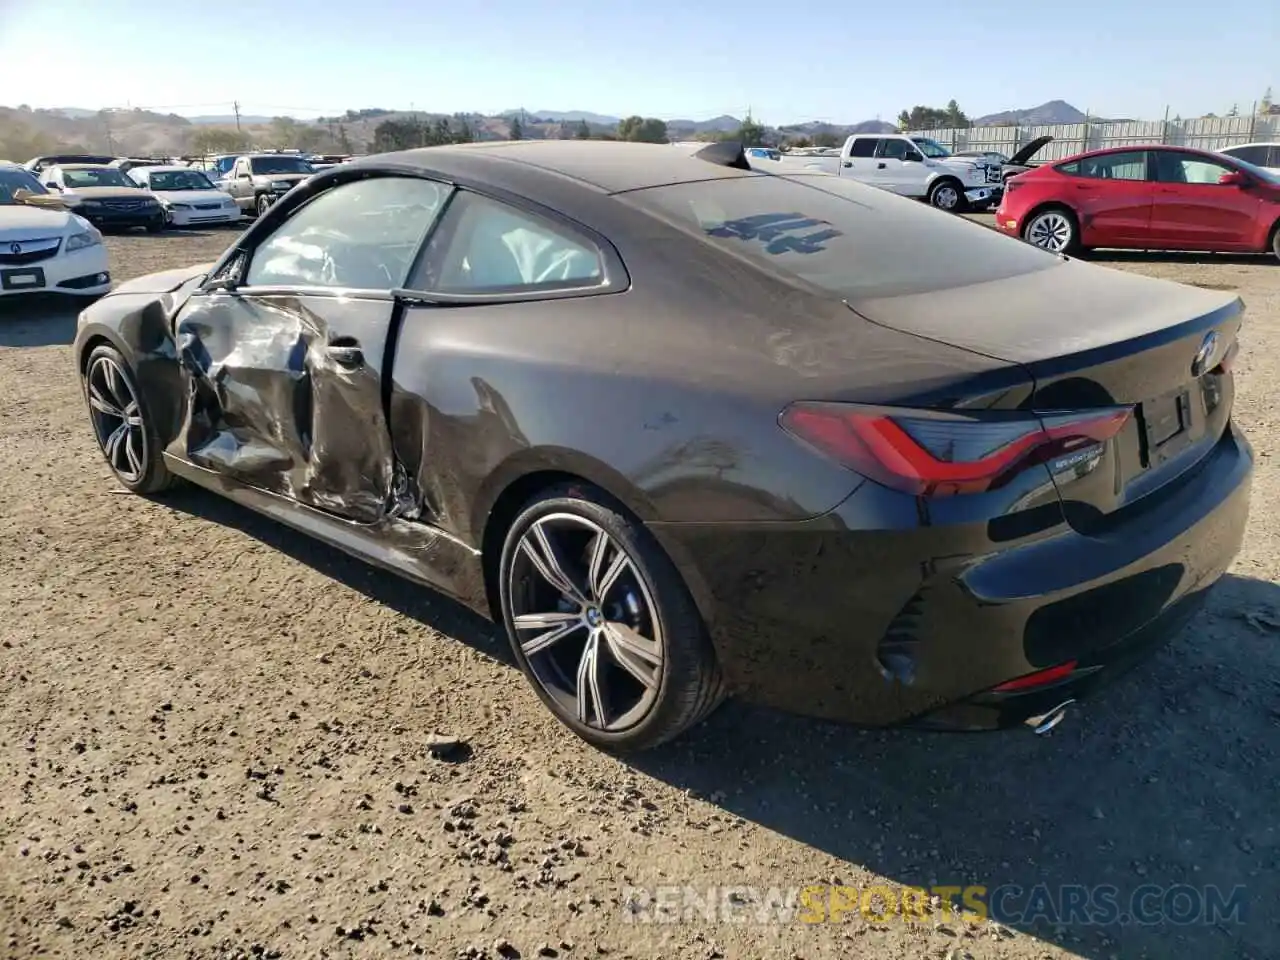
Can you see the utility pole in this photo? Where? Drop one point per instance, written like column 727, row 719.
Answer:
column 106, row 122
column 235, row 106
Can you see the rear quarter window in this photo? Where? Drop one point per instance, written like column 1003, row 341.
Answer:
column 842, row 237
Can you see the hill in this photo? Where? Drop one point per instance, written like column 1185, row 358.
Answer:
column 1053, row 111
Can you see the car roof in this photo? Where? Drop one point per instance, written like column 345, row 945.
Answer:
column 86, row 166
column 1132, row 147
column 610, row 166
column 166, row 168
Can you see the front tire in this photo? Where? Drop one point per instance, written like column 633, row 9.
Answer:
column 122, row 424
column 948, row 195
column 602, row 624
column 1053, row 229
column 262, row 205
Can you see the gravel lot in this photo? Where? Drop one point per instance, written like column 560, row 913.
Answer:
column 215, row 742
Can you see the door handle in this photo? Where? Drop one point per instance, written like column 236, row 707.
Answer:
column 345, row 354
column 847, row 163
column 879, row 166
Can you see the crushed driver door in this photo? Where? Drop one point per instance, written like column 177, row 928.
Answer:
column 285, row 394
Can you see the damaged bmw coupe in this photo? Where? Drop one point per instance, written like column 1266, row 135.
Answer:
column 684, row 428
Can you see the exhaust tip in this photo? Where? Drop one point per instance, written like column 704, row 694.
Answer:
column 1043, row 723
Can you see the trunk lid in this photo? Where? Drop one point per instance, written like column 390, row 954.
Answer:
column 1092, row 337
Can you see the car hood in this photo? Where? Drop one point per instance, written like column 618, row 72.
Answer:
column 1030, row 150
column 21, row 221
column 192, row 196
column 285, row 177
column 164, row 282
column 107, row 193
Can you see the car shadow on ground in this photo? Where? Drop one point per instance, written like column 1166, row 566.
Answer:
column 1170, row 256
column 1151, row 801
column 39, row 321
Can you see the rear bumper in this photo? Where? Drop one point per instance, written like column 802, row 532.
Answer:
column 806, row 616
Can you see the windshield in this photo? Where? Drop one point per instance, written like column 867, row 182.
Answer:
column 931, row 148
column 11, row 181
column 846, row 238
column 178, row 180
column 105, row 177
column 270, row 165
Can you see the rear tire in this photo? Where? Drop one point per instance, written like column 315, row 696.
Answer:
column 1054, row 229
column 632, row 666
column 947, row 194
column 1275, row 240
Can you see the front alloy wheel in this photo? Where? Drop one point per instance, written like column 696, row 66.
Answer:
column 602, row 624
column 119, row 423
column 264, row 204
column 947, row 195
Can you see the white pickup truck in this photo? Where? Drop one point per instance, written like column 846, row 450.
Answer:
column 914, row 167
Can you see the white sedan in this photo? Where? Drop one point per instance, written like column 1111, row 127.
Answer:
column 44, row 248
column 187, row 195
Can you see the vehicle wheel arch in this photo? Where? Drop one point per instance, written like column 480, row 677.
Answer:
column 522, row 478
column 1273, row 240
column 1054, row 205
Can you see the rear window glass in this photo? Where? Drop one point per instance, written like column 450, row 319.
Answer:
column 842, row 237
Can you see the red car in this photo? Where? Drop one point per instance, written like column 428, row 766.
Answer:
column 1145, row 198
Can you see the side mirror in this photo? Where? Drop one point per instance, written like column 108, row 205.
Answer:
column 52, row 186
column 914, row 157
column 244, row 176
column 1233, row 179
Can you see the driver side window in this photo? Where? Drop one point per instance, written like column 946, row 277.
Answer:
column 361, row 235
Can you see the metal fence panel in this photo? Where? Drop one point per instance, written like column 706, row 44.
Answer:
column 1203, row 133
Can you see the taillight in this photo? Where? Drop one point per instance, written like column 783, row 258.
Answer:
column 942, row 453
column 1041, row 678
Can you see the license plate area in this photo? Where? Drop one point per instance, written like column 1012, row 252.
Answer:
column 1166, row 426
column 31, row 278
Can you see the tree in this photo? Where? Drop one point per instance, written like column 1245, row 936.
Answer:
column 213, row 140
column 397, row 135
column 750, row 133
column 517, row 129
column 921, row 117
column 639, row 129
column 584, row 131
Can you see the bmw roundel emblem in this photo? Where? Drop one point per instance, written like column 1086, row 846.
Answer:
column 15, row 248
column 1208, row 349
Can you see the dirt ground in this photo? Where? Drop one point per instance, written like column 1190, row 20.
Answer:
column 214, row 742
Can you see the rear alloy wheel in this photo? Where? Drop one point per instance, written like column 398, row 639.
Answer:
column 1275, row 240
column 120, row 425
column 947, row 195
column 1052, row 230
column 263, row 205
column 602, row 624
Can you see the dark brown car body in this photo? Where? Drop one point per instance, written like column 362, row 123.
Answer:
column 663, row 387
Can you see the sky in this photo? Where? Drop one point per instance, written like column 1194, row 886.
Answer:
column 786, row 62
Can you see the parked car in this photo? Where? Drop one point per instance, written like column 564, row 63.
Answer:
column 683, row 427
column 258, row 180
column 44, row 248
column 127, row 164
column 914, row 167
column 37, row 165
column 1146, row 198
column 1265, row 155
column 763, row 153
column 1021, row 161
column 187, row 195
column 991, row 156
column 105, row 197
